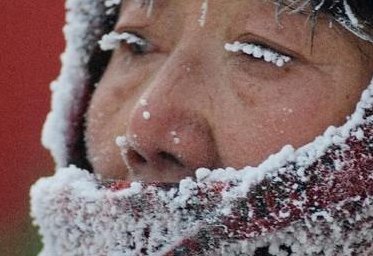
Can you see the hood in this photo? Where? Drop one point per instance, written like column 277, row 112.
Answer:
column 314, row 200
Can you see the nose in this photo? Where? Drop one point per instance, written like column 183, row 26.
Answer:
column 167, row 144
column 170, row 137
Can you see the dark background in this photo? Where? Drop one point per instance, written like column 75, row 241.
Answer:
column 31, row 41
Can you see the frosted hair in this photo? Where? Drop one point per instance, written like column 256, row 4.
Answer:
column 355, row 15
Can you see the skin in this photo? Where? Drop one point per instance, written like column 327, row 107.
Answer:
column 228, row 109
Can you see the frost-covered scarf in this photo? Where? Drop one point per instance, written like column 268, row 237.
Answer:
column 315, row 200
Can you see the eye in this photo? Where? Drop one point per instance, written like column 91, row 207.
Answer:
column 138, row 49
column 259, row 52
column 113, row 40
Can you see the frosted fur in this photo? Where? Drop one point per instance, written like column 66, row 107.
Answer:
column 67, row 90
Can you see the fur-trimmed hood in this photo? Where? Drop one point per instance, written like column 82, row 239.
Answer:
column 315, row 200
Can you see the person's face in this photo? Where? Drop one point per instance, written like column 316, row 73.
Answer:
column 185, row 102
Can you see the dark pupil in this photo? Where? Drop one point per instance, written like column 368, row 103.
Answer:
column 137, row 48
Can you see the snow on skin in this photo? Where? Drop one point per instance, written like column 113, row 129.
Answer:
column 143, row 102
column 146, row 115
column 287, row 110
column 204, row 9
column 258, row 52
column 176, row 139
column 122, row 142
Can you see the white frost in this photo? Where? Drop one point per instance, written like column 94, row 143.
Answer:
column 146, row 115
column 94, row 221
column 143, row 102
column 175, row 139
column 258, row 52
column 111, row 3
column 121, row 141
column 204, row 9
column 111, row 41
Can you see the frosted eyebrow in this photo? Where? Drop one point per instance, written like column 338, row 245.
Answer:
column 258, row 52
column 111, row 41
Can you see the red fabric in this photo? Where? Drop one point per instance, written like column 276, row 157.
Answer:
column 31, row 41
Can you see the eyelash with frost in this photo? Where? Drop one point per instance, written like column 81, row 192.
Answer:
column 258, row 52
column 111, row 3
column 111, row 41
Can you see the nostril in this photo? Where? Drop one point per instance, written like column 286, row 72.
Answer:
column 135, row 157
column 170, row 158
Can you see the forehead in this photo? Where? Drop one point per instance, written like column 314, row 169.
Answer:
column 219, row 13
column 224, row 17
column 152, row 8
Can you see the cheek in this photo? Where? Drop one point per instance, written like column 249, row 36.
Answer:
column 271, row 114
column 106, row 120
column 109, row 112
column 101, row 132
column 251, row 117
